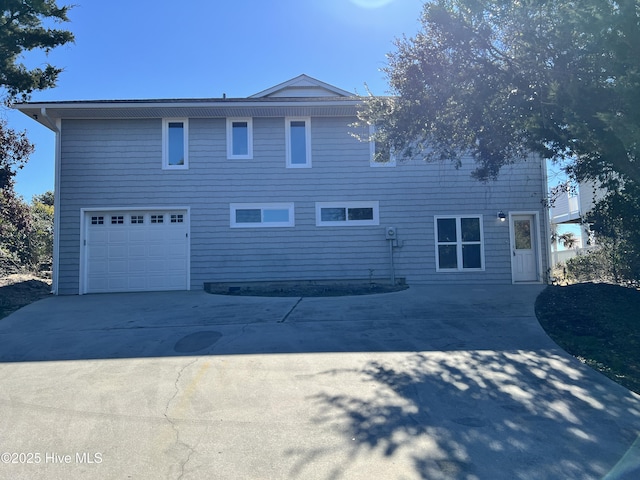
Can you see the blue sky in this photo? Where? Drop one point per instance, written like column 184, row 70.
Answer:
column 201, row 48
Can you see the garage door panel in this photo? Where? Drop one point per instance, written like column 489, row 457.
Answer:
column 118, row 267
column 156, row 266
column 175, row 265
column 137, row 251
column 135, row 254
column 98, row 284
column 137, row 267
column 99, row 251
column 99, row 237
column 117, row 235
column 137, row 283
column 100, row 267
column 139, row 236
column 175, row 282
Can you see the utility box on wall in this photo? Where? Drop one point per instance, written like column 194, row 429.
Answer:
column 390, row 233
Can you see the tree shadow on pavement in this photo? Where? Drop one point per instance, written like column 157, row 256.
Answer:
column 479, row 414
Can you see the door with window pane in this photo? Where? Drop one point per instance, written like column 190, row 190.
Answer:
column 524, row 249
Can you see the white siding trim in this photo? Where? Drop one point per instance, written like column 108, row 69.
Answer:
column 55, row 261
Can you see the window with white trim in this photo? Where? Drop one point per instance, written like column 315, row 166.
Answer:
column 247, row 215
column 459, row 243
column 298, row 142
column 339, row 214
column 239, row 138
column 375, row 147
column 175, row 147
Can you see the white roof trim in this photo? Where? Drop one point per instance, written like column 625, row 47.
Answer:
column 302, row 83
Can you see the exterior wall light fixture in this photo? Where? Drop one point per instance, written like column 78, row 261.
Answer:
column 501, row 216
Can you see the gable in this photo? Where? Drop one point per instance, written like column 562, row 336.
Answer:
column 300, row 87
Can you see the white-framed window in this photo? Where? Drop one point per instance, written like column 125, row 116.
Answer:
column 249, row 215
column 459, row 243
column 298, row 141
column 175, row 143
column 239, row 138
column 339, row 214
column 374, row 147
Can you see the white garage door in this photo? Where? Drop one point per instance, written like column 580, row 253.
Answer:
column 133, row 251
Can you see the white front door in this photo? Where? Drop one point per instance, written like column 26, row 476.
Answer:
column 524, row 260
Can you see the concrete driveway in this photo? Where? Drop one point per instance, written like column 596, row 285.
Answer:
column 427, row 383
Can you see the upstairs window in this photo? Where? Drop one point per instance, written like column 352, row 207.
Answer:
column 175, row 144
column 239, row 138
column 460, row 245
column 374, row 152
column 298, row 138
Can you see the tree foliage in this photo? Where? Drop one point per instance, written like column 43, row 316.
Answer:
column 615, row 220
column 15, row 149
column 26, row 241
column 498, row 79
column 23, row 29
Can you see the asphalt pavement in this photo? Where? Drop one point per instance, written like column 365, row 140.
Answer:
column 432, row 382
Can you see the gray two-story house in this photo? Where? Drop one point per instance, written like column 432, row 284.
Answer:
column 171, row 194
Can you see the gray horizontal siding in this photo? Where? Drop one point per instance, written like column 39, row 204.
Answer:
column 118, row 163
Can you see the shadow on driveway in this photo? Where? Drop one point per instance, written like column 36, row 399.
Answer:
column 428, row 383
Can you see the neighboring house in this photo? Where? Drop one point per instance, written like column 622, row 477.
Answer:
column 569, row 207
column 170, row 194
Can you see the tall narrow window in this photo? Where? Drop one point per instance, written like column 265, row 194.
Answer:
column 459, row 243
column 174, row 140
column 239, row 138
column 298, row 137
column 377, row 157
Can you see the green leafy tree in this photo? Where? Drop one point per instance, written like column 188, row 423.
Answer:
column 22, row 29
column 41, row 233
column 15, row 221
column 499, row 79
column 615, row 220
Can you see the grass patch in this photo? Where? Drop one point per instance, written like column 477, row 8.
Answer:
column 597, row 323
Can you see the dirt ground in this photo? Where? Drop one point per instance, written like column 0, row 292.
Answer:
column 19, row 289
column 291, row 289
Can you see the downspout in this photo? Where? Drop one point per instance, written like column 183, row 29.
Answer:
column 547, row 221
column 57, row 128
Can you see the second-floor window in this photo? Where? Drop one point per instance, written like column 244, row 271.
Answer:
column 239, row 138
column 175, row 143
column 375, row 150
column 298, row 138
